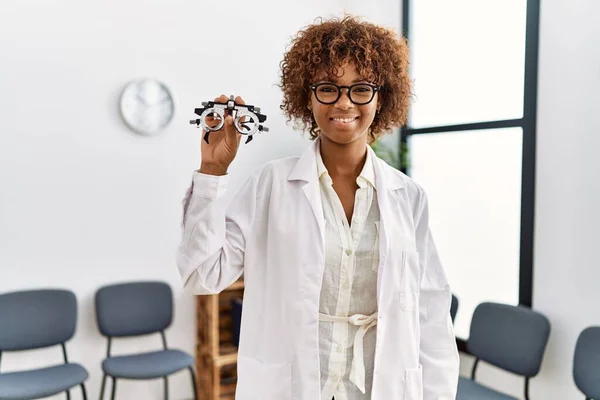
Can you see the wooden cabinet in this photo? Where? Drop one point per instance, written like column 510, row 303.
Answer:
column 216, row 356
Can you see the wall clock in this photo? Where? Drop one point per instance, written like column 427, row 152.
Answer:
column 147, row 106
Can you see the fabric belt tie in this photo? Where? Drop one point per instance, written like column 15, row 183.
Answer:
column 364, row 322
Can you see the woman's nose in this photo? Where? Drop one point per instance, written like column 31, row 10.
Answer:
column 344, row 101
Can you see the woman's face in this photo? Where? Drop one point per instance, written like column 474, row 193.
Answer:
column 344, row 122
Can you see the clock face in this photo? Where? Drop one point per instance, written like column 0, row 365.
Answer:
column 147, row 106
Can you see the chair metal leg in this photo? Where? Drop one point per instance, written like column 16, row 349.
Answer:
column 68, row 395
column 194, row 388
column 474, row 368
column 166, row 387
column 83, row 392
column 114, row 388
column 102, row 387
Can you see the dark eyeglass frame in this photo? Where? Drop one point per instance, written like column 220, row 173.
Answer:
column 375, row 88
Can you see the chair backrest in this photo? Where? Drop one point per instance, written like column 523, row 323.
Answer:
column 135, row 308
column 33, row 319
column 511, row 337
column 453, row 307
column 586, row 363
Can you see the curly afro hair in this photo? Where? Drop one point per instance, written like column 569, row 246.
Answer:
column 379, row 54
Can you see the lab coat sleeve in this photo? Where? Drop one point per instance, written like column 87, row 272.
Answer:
column 438, row 353
column 210, row 256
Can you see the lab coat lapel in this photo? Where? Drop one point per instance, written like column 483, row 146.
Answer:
column 305, row 171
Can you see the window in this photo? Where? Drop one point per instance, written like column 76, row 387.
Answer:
column 471, row 139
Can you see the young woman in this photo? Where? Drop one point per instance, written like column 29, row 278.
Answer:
column 345, row 296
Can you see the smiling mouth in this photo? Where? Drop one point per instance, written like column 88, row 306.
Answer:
column 344, row 120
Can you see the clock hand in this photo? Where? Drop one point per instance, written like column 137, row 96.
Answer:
column 164, row 100
column 158, row 103
column 141, row 98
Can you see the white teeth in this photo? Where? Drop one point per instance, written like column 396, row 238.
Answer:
column 345, row 120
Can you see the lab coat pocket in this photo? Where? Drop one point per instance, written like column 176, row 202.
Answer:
column 265, row 381
column 413, row 384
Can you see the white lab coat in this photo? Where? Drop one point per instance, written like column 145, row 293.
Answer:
column 273, row 233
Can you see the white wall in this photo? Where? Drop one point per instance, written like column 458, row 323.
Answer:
column 567, row 267
column 83, row 201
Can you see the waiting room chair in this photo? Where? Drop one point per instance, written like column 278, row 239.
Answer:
column 135, row 309
column 586, row 363
column 35, row 319
column 236, row 320
column 453, row 307
column 510, row 337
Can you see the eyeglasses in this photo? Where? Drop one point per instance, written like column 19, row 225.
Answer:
column 359, row 93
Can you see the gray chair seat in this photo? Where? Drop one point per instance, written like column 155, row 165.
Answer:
column 147, row 365
column 471, row 390
column 42, row 382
